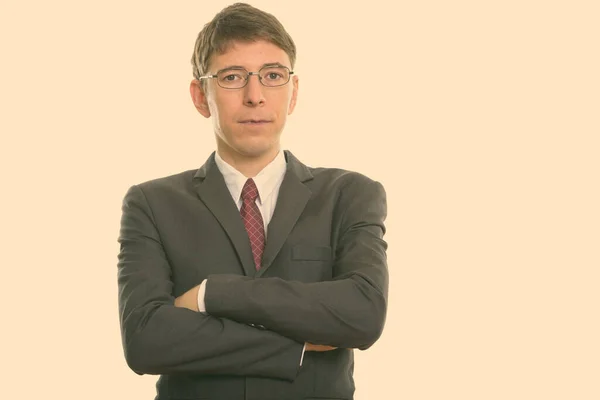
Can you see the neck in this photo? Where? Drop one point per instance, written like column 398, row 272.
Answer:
column 249, row 166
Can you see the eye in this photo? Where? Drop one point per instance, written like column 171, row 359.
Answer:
column 231, row 77
column 274, row 74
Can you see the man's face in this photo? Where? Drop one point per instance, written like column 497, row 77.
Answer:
column 235, row 112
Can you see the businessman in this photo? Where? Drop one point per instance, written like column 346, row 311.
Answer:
column 255, row 276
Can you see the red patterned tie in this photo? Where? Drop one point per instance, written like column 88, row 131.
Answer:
column 253, row 221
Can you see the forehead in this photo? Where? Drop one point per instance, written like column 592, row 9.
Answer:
column 250, row 55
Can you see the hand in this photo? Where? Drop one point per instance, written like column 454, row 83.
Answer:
column 189, row 299
column 318, row 347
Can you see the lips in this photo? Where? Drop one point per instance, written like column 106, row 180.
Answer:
column 254, row 121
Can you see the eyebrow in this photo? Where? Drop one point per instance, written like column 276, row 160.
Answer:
column 272, row 64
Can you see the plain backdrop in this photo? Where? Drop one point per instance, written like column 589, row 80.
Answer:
column 481, row 119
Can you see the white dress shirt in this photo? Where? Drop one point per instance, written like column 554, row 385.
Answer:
column 268, row 181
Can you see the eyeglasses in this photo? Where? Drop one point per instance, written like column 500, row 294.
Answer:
column 237, row 78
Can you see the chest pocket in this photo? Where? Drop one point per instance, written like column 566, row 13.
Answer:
column 311, row 263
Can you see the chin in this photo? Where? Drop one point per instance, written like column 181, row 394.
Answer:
column 251, row 146
column 255, row 150
column 255, row 147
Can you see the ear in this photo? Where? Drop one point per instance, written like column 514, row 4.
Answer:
column 294, row 94
column 199, row 98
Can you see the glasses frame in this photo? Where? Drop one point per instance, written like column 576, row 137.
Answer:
column 249, row 74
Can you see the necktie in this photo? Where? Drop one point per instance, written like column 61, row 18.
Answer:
column 253, row 221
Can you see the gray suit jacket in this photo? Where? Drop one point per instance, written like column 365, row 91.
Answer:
column 323, row 280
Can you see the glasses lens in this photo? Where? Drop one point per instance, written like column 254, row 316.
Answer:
column 274, row 76
column 232, row 78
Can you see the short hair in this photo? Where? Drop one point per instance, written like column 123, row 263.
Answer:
column 238, row 22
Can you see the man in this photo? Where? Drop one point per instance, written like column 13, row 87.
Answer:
column 255, row 276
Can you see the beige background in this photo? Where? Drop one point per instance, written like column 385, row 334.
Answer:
column 481, row 118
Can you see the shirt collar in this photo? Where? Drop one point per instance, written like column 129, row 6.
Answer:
column 266, row 180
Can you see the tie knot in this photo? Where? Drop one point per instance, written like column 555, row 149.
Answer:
column 250, row 191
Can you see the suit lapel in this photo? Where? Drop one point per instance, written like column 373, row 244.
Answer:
column 213, row 192
column 292, row 199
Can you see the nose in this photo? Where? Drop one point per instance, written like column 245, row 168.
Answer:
column 253, row 91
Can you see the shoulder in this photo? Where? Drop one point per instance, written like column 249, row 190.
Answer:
column 344, row 180
column 357, row 198
column 169, row 185
column 169, row 181
column 340, row 176
column 321, row 177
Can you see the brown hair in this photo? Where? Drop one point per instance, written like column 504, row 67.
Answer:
column 239, row 22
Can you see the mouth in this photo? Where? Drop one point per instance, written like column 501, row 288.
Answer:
column 254, row 121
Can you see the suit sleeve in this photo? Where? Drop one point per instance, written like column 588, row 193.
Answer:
column 159, row 338
column 348, row 311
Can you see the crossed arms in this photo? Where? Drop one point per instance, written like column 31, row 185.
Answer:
column 161, row 336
